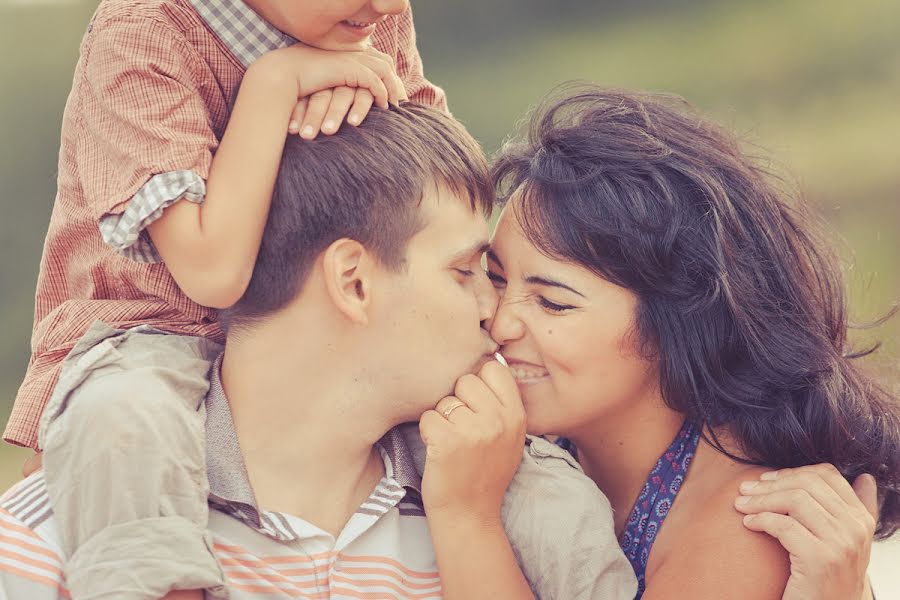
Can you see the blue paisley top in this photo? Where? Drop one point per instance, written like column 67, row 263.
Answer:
column 656, row 498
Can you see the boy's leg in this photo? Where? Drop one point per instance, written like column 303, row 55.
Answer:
column 125, row 465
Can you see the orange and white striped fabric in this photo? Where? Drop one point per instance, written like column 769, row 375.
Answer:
column 150, row 100
column 383, row 552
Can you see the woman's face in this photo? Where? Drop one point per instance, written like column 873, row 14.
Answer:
column 568, row 336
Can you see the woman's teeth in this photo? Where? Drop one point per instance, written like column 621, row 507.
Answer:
column 520, row 374
column 359, row 24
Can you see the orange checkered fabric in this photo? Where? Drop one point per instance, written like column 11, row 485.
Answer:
column 150, row 101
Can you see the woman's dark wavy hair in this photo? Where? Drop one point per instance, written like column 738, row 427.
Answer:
column 741, row 301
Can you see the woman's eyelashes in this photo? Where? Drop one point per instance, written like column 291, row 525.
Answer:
column 553, row 307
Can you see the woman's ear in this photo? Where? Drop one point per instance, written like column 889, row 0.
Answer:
column 347, row 271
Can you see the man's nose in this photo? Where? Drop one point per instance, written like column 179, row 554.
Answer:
column 487, row 298
column 390, row 7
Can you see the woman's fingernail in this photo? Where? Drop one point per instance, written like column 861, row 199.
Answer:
column 746, row 486
column 307, row 131
column 293, row 126
column 769, row 475
column 353, row 119
column 328, row 126
column 742, row 500
column 749, row 518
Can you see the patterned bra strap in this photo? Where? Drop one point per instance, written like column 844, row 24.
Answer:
column 656, row 498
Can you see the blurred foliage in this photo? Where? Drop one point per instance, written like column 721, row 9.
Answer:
column 815, row 85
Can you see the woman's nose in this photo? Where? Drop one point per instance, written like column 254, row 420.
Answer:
column 505, row 326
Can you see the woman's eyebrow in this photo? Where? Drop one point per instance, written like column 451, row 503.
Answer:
column 538, row 280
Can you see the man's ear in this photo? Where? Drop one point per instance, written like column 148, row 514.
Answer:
column 347, row 270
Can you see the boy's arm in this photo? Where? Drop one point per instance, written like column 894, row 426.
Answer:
column 146, row 142
column 210, row 248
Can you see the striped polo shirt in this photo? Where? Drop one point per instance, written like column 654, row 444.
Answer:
column 383, row 552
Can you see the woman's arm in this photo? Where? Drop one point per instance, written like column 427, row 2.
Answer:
column 474, row 442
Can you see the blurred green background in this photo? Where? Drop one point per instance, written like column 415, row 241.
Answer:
column 816, row 84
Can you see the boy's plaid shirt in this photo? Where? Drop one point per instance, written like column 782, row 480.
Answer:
column 149, row 103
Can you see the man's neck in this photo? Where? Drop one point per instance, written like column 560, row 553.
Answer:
column 305, row 425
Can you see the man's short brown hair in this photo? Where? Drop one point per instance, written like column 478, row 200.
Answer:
column 364, row 183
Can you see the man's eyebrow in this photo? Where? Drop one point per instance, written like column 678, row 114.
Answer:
column 479, row 248
column 493, row 256
column 538, row 280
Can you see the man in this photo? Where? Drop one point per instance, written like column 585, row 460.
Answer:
column 365, row 306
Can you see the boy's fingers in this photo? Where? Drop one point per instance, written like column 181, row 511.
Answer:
column 396, row 89
column 867, row 492
column 315, row 113
column 376, row 86
column 297, row 116
column 362, row 103
column 380, row 71
column 341, row 101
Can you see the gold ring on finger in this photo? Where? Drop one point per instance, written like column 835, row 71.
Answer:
column 453, row 406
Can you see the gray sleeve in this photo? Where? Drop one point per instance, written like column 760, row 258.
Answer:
column 561, row 529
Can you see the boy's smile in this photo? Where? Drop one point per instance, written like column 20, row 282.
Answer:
column 345, row 25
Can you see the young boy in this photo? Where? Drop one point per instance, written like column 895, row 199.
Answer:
column 148, row 228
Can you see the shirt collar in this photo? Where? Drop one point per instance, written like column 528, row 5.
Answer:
column 244, row 32
column 229, row 482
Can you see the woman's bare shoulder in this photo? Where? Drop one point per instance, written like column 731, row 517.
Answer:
column 704, row 548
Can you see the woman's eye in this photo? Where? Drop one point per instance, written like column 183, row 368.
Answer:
column 466, row 273
column 553, row 306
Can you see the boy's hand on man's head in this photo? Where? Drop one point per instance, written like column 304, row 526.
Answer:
column 334, row 86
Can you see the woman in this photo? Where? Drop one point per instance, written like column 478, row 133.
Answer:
column 670, row 310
